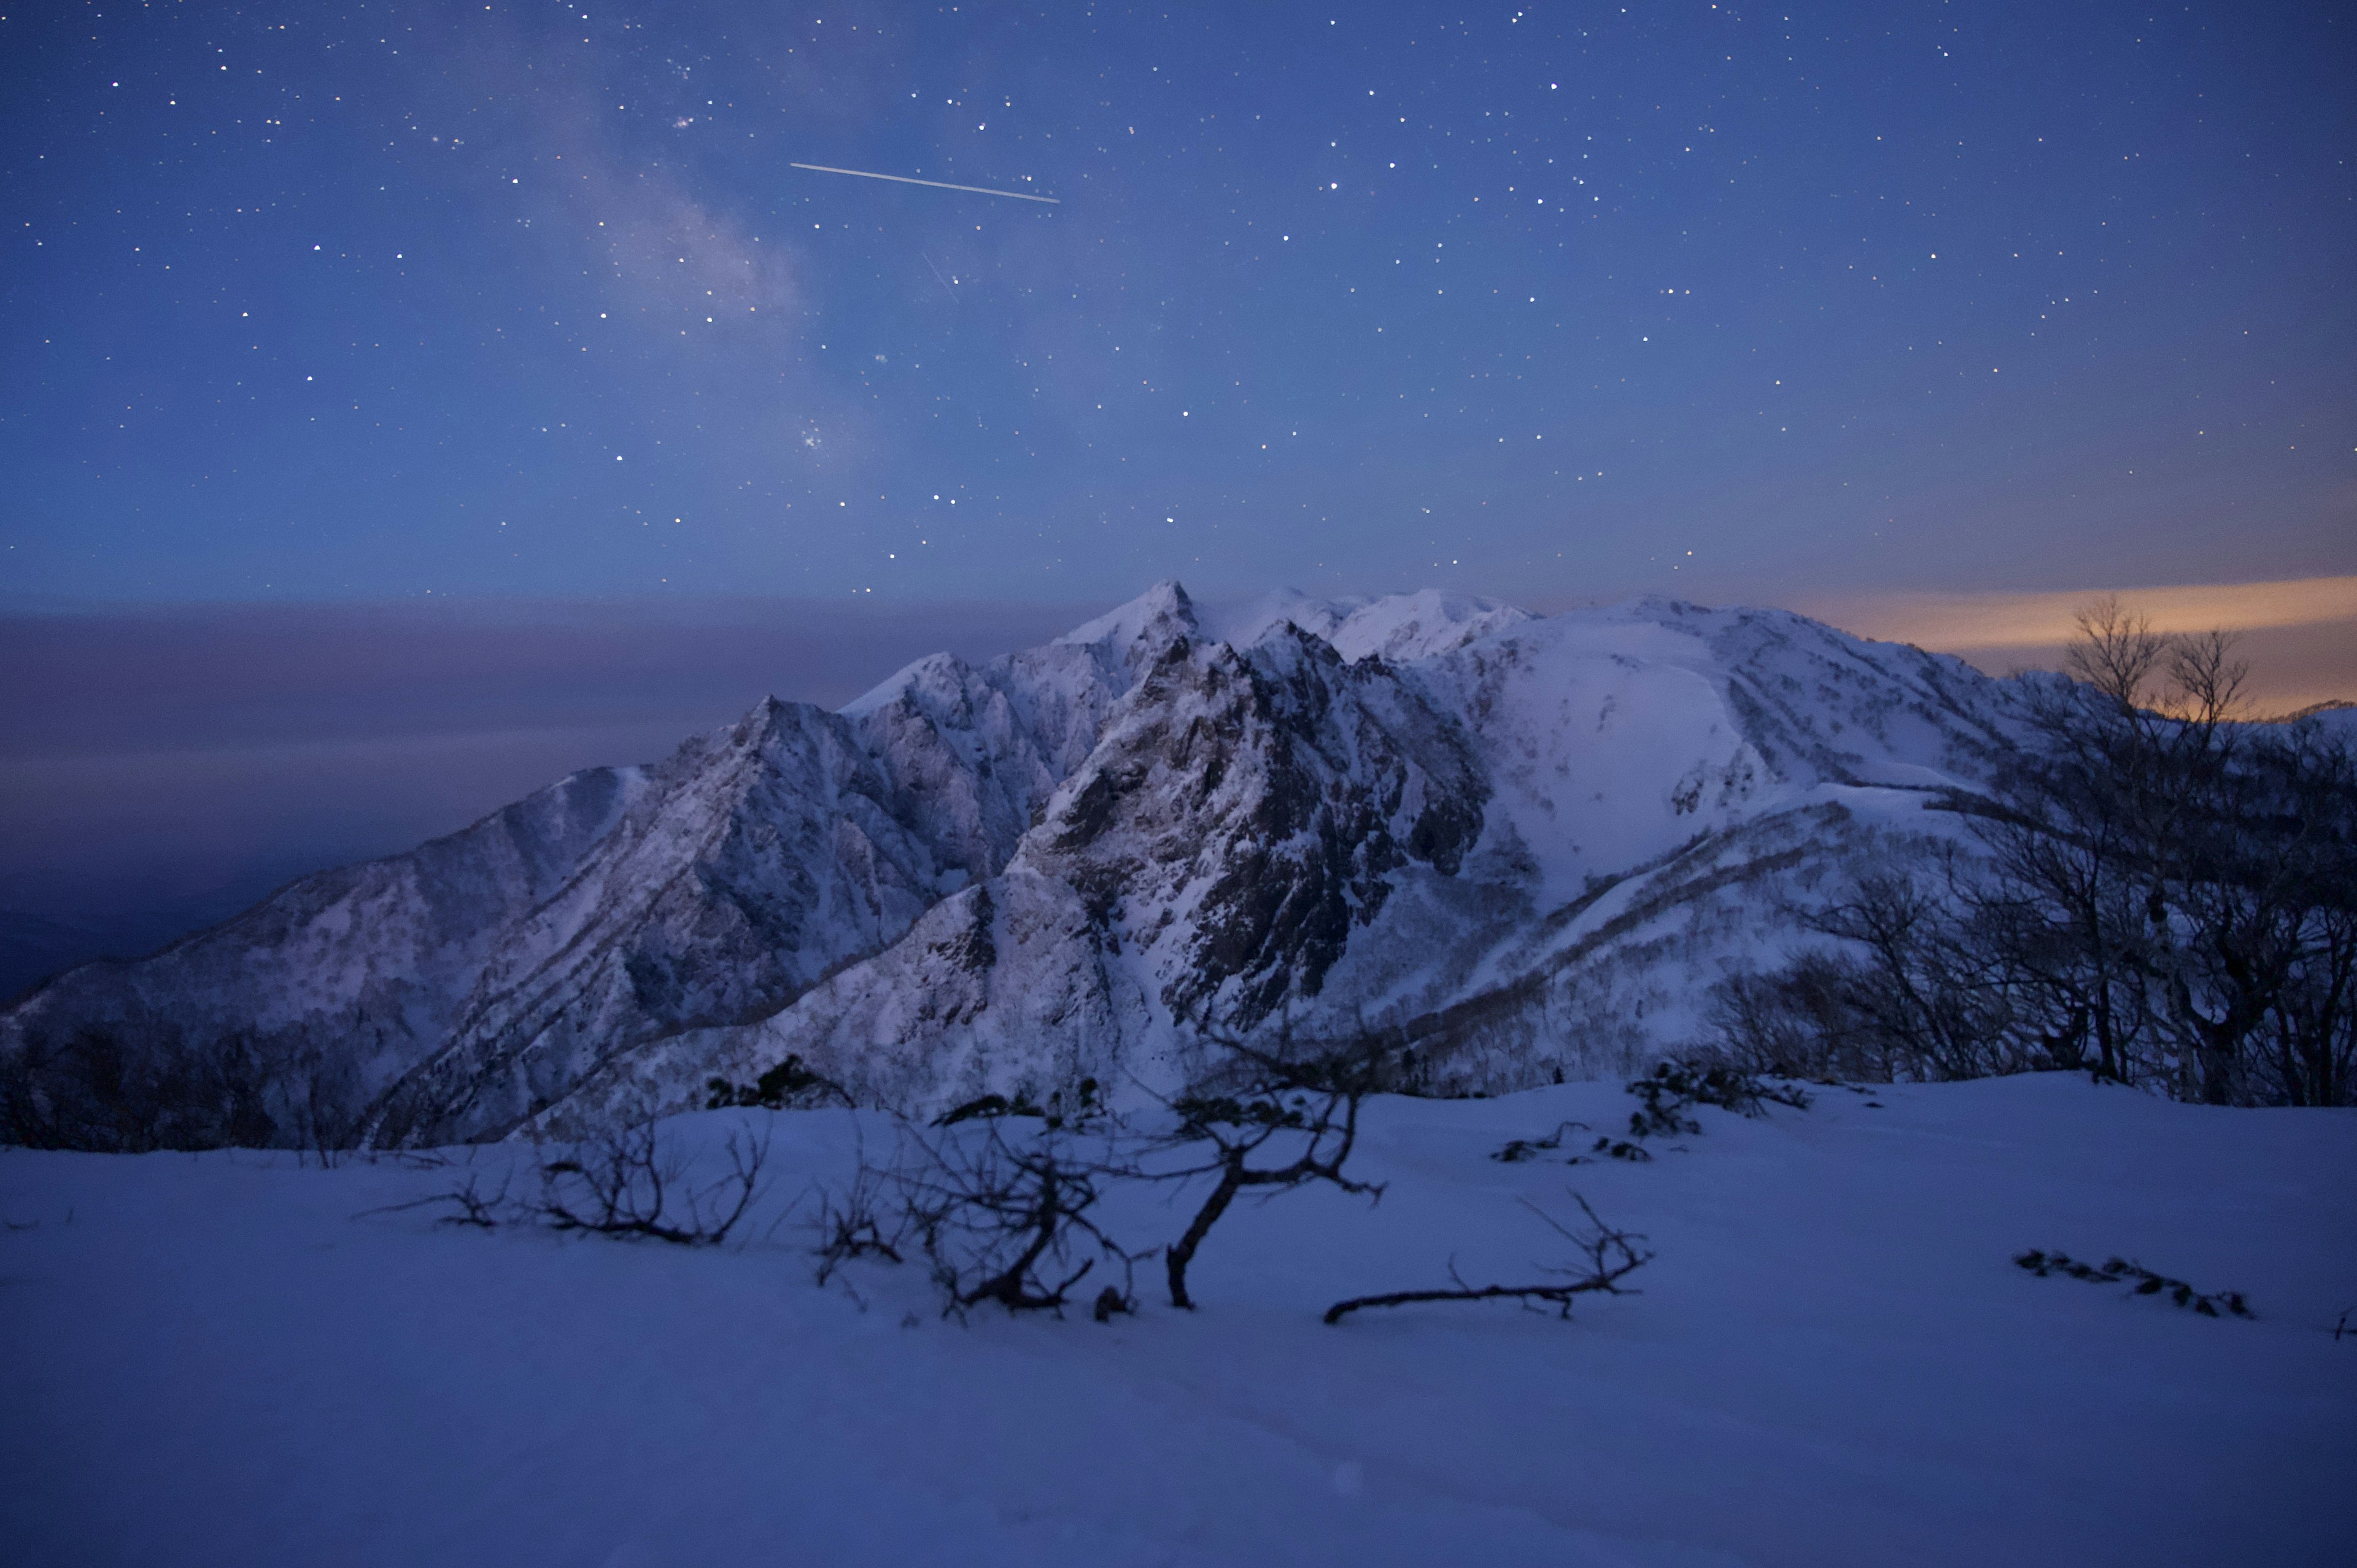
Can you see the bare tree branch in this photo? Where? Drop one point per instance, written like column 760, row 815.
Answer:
column 1304, row 1098
column 1607, row 1256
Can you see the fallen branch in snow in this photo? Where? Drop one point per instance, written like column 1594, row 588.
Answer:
column 2121, row 1270
column 1609, row 1256
column 473, row 1206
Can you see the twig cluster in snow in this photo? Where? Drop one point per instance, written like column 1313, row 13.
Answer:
column 1009, row 1222
column 859, row 1221
column 624, row 1184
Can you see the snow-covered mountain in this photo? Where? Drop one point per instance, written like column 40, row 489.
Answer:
column 1531, row 843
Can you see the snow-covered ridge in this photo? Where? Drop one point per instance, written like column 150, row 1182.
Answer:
column 1532, row 842
column 1398, row 628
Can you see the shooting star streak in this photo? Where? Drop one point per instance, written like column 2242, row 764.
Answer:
column 942, row 281
column 936, row 184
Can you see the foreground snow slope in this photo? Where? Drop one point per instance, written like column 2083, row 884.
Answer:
column 220, row 1359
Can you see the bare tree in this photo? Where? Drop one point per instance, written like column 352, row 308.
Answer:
column 2115, row 651
column 1293, row 1120
column 2157, row 891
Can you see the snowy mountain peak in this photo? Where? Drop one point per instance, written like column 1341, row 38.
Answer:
column 1153, row 618
column 1417, row 626
column 1399, row 628
column 1530, row 842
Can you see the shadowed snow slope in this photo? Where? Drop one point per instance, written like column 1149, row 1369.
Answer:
column 221, row 1359
column 1530, row 842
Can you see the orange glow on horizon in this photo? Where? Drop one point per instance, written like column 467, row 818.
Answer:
column 1949, row 622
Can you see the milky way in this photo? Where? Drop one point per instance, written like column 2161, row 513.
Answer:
column 411, row 299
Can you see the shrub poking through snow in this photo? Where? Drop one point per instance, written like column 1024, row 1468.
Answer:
column 623, row 1183
column 998, row 1211
column 1008, row 1222
column 1083, row 1109
column 989, row 1107
column 626, row 1185
column 1519, row 1151
column 1673, row 1086
column 788, row 1086
column 2121, row 1270
column 1604, row 1257
column 859, row 1221
column 1664, row 1097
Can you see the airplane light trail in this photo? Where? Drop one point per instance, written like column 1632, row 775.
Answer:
column 938, row 184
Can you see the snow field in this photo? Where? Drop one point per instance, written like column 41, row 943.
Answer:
column 223, row 1358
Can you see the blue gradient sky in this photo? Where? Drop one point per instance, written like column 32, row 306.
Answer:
column 407, row 403
column 362, row 302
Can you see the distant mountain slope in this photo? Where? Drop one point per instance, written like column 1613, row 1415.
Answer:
column 1531, row 847
column 1530, row 842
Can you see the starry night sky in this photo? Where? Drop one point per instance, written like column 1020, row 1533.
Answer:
column 372, row 302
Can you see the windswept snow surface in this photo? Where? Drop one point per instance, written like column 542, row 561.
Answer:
column 227, row 1359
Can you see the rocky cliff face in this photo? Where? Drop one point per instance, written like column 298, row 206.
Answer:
column 1530, row 842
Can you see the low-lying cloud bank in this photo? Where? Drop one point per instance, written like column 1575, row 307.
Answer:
column 162, row 768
